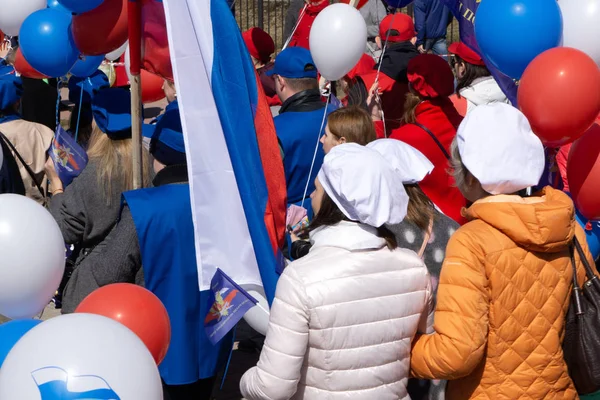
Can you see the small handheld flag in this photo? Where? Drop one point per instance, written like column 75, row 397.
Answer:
column 68, row 156
column 230, row 303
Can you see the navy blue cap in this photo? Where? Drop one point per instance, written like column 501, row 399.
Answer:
column 167, row 144
column 11, row 89
column 98, row 80
column 112, row 112
column 294, row 63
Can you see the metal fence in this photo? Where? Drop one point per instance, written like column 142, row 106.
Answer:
column 271, row 14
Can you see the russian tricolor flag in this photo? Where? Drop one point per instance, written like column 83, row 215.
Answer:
column 235, row 168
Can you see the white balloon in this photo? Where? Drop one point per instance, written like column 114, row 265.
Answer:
column 115, row 54
column 14, row 12
column 337, row 40
column 32, row 254
column 256, row 317
column 78, row 353
column 581, row 26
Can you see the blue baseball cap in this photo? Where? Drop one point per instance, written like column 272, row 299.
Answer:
column 167, row 144
column 11, row 89
column 112, row 112
column 294, row 63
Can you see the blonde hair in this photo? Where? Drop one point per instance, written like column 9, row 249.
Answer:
column 113, row 160
column 352, row 123
column 410, row 105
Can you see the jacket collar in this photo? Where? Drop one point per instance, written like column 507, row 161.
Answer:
column 351, row 236
column 171, row 174
column 307, row 100
column 394, row 61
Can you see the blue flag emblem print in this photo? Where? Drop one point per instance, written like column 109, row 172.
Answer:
column 55, row 383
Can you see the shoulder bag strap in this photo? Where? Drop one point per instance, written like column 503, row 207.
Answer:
column 576, row 293
column 27, row 168
column 591, row 276
column 434, row 138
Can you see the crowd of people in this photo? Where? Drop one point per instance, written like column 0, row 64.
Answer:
column 428, row 267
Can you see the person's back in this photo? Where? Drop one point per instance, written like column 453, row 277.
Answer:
column 364, row 308
column 506, row 281
column 301, row 120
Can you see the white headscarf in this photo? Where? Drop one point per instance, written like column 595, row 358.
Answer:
column 363, row 185
column 409, row 163
column 498, row 147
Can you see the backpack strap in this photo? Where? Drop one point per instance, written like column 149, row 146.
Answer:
column 27, row 168
column 434, row 138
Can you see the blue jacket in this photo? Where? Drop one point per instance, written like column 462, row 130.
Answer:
column 431, row 20
column 297, row 126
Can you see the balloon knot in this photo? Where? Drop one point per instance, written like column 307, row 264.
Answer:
column 588, row 226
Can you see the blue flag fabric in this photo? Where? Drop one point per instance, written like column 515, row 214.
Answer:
column 55, row 383
column 229, row 304
column 68, row 156
column 465, row 11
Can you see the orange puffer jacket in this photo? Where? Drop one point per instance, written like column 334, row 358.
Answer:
column 504, row 291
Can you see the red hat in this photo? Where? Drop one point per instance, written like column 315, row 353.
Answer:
column 364, row 65
column 430, row 76
column 401, row 25
column 465, row 53
column 259, row 43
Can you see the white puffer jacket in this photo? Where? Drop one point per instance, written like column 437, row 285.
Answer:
column 342, row 321
column 483, row 91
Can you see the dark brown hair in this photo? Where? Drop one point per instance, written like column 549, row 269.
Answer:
column 329, row 215
column 352, row 123
column 420, row 209
column 472, row 72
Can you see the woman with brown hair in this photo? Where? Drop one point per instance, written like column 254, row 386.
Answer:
column 88, row 208
column 348, row 125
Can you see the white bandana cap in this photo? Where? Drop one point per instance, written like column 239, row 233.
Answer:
column 498, row 147
column 363, row 186
column 409, row 163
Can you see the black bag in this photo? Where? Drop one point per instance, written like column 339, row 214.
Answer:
column 581, row 345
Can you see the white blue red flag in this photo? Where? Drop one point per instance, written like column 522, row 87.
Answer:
column 229, row 304
column 236, row 173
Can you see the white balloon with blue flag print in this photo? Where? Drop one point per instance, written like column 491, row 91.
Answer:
column 80, row 356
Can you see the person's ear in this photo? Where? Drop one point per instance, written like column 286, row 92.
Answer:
column 281, row 82
column 343, row 140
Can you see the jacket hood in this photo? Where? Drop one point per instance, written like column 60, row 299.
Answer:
column 541, row 223
column 484, row 91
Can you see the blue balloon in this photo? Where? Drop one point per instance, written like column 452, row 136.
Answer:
column 56, row 5
column 86, row 66
column 11, row 332
column 80, row 6
column 511, row 33
column 398, row 3
column 47, row 43
column 592, row 236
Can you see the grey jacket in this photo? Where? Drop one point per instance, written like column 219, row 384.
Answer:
column 81, row 213
column 373, row 12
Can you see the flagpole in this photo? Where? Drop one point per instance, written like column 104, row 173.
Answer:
column 134, row 11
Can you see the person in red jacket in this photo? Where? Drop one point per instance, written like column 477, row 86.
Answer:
column 430, row 122
column 260, row 46
column 306, row 18
column 399, row 30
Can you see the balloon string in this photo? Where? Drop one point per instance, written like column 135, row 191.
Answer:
column 80, row 106
column 387, row 36
column 316, row 149
column 287, row 42
column 58, row 100
column 229, row 358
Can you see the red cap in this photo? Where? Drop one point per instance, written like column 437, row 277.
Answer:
column 259, row 43
column 401, row 23
column 465, row 52
column 364, row 65
column 430, row 76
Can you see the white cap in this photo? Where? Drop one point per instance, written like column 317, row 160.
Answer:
column 363, row 185
column 410, row 163
column 498, row 147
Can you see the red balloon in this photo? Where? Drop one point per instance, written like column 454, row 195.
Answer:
column 23, row 67
column 101, row 30
column 152, row 87
column 1, row 36
column 136, row 308
column 559, row 94
column 583, row 173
